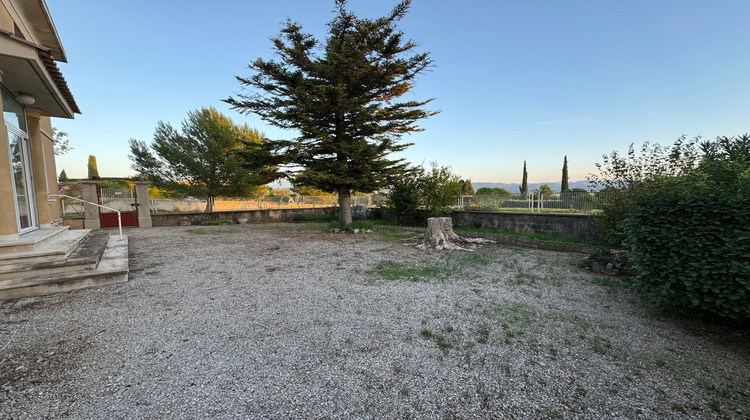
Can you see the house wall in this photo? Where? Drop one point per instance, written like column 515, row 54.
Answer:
column 30, row 21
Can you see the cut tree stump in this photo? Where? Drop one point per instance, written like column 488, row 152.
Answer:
column 440, row 235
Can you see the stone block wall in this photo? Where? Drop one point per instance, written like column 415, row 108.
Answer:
column 556, row 224
column 243, row 216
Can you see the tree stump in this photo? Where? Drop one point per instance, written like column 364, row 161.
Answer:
column 440, row 235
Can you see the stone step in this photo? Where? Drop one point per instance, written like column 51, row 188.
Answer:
column 112, row 268
column 30, row 241
column 52, row 248
column 85, row 256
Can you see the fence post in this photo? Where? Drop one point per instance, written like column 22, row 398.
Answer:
column 143, row 204
column 90, row 212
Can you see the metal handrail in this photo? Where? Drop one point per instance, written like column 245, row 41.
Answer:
column 119, row 216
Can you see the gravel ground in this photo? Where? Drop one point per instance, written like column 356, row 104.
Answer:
column 286, row 321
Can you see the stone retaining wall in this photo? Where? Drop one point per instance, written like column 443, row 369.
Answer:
column 555, row 224
column 241, row 217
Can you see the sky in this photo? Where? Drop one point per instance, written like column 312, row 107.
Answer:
column 529, row 80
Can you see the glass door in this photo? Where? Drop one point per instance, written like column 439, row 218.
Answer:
column 23, row 184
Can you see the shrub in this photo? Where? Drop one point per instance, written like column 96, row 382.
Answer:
column 424, row 194
column 688, row 238
column 361, row 212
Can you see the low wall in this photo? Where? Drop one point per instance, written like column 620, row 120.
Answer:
column 252, row 216
column 564, row 225
column 73, row 222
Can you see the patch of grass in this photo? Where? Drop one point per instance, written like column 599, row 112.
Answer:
column 538, row 236
column 209, row 232
column 391, row 270
column 274, row 248
column 483, row 334
column 440, row 340
column 395, row 234
column 312, row 219
column 679, row 408
column 217, row 222
column 448, row 266
column 360, row 225
column 514, row 318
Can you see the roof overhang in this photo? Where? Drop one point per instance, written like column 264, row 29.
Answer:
column 36, row 16
column 29, row 68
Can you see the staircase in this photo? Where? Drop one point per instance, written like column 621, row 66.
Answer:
column 56, row 260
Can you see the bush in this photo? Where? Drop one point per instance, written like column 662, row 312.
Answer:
column 361, row 212
column 424, row 194
column 689, row 242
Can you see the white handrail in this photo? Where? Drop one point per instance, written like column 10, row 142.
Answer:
column 119, row 216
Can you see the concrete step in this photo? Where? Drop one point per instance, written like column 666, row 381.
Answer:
column 55, row 249
column 28, row 242
column 85, row 256
column 112, row 268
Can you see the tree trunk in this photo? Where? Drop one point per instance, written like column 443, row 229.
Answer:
column 209, row 204
column 345, row 208
column 440, row 235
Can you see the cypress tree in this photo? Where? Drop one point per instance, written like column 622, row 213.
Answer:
column 524, row 182
column 564, row 183
column 63, row 176
column 93, row 171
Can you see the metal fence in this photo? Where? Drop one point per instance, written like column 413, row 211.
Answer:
column 192, row 204
column 566, row 202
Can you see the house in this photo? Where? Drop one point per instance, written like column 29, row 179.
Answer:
column 37, row 254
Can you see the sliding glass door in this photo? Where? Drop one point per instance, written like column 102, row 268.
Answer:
column 20, row 163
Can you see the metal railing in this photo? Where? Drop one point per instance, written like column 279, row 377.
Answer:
column 119, row 216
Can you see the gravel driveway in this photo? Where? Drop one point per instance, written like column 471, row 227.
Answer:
column 286, row 321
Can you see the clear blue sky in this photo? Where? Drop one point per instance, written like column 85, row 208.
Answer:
column 515, row 80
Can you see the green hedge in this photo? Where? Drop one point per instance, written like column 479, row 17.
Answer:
column 689, row 243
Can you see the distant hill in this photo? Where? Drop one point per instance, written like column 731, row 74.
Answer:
column 513, row 188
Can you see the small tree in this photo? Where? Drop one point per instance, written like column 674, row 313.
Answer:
column 63, row 176
column 341, row 96
column 203, row 160
column 93, row 172
column 564, row 183
column 622, row 176
column 440, row 190
column 422, row 194
column 61, row 142
column 524, row 188
column 467, row 188
column 546, row 192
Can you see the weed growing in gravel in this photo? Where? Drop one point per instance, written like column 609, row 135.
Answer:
column 439, row 339
column 391, row 270
column 210, row 232
column 448, row 266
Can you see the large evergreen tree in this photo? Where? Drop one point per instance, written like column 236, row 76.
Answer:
column 201, row 161
column 524, row 188
column 341, row 96
column 564, row 183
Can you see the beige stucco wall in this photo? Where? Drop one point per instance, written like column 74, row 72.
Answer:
column 6, row 21
column 49, row 160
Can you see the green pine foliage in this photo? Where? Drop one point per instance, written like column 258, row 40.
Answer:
column 63, row 176
column 202, row 160
column 342, row 97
